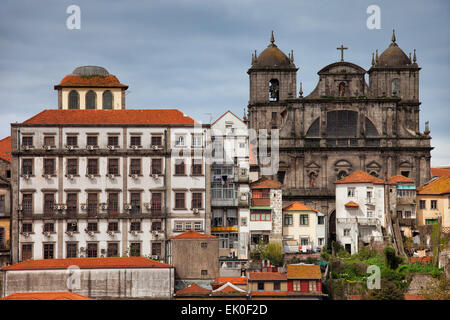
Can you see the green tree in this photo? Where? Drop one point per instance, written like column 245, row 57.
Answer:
column 273, row 252
column 388, row 291
column 392, row 260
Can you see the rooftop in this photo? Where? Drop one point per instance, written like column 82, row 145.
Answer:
column 88, row 263
column 359, row 176
column 5, row 149
column 192, row 289
column 191, row 234
column 266, row 276
column 90, row 76
column 303, row 271
column 351, row 204
column 436, row 186
column 265, row 183
column 234, row 280
column 135, row 116
column 399, row 179
column 439, row 172
column 298, row 206
column 45, row 296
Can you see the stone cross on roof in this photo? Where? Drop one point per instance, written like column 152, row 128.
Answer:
column 342, row 48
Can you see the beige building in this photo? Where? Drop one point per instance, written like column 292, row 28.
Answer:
column 433, row 199
column 300, row 225
column 5, row 201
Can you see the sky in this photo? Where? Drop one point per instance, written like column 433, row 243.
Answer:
column 193, row 55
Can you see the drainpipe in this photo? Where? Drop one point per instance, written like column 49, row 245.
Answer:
column 18, row 196
column 165, row 197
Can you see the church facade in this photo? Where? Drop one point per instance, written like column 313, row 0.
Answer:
column 343, row 125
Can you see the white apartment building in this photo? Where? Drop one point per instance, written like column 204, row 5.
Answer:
column 93, row 183
column 230, row 188
column 360, row 213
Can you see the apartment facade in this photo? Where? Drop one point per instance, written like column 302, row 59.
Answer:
column 99, row 182
column 5, row 201
column 230, row 188
column 360, row 210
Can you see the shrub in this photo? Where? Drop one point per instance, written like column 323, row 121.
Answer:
column 392, row 260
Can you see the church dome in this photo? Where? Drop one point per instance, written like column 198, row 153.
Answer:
column 90, row 71
column 393, row 56
column 272, row 57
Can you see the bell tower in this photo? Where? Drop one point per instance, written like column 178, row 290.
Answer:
column 273, row 80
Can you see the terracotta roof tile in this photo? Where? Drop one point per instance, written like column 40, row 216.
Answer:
column 191, row 234
column 285, row 293
column 265, row 183
column 123, row 116
column 45, row 296
column 439, row 172
column 303, row 271
column 436, row 186
column 229, row 288
column 360, row 176
column 109, row 81
column 234, row 280
column 298, row 206
column 351, row 204
column 399, row 178
column 266, row 276
column 5, row 149
column 193, row 289
column 88, row 263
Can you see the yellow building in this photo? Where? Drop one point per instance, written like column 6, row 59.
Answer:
column 5, row 200
column 433, row 200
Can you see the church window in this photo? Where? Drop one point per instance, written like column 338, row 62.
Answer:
column 374, row 173
column 74, row 100
column 281, row 175
column 312, row 179
column 341, row 89
column 371, row 131
column 405, row 173
column 342, row 123
column 91, row 98
column 274, row 91
column 341, row 175
column 107, row 100
column 396, row 87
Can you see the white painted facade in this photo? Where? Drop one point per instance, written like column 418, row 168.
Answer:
column 364, row 222
column 230, row 195
column 172, row 220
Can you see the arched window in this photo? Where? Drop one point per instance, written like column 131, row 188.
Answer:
column 313, row 130
column 107, row 100
column 341, row 89
column 341, row 175
column 371, row 131
column 342, row 123
column 396, row 87
column 74, row 100
column 91, row 100
column 274, row 91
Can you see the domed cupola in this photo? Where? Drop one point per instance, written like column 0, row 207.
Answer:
column 272, row 58
column 393, row 56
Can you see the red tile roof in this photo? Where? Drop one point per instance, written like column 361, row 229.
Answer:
column 109, row 81
column 123, row 116
column 193, row 289
column 439, row 172
column 302, row 271
column 285, row 293
column 229, row 289
column 413, row 296
column 5, row 149
column 45, row 296
column 266, row 276
column 234, row 280
column 88, row 263
column 360, row 176
column 351, row 204
column 265, row 183
column 436, row 186
column 399, row 178
column 191, row 234
column 298, row 206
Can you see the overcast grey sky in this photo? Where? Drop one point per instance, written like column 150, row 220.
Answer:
column 193, row 54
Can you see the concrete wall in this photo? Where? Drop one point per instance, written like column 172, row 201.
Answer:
column 189, row 258
column 148, row 283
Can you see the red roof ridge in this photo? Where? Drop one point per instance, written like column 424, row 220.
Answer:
column 116, row 116
column 191, row 234
column 298, row 206
column 399, row 178
column 88, row 263
column 265, row 183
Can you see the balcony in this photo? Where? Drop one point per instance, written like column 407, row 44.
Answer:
column 407, row 222
column 368, row 221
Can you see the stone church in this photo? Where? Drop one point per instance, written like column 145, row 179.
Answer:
column 343, row 125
